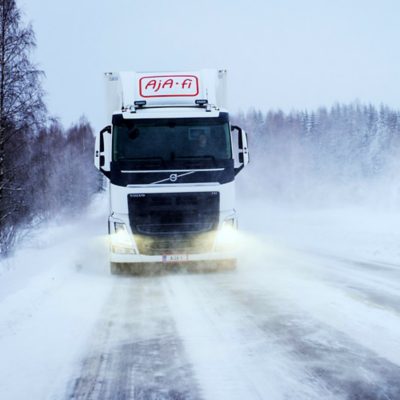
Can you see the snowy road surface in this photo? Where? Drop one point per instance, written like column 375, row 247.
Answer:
column 313, row 312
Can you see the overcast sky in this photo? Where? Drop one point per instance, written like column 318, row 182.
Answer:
column 289, row 54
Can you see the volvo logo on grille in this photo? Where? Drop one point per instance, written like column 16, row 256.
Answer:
column 173, row 177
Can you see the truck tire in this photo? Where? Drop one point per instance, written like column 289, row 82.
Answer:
column 227, row 265
column 132, row 269
column 126, row 269
column 115, row 268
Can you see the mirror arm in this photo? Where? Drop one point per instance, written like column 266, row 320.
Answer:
column 106, row 129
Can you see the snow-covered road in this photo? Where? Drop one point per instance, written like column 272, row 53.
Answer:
column 313, row 312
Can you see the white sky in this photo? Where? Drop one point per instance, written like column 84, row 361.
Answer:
column 285, row 54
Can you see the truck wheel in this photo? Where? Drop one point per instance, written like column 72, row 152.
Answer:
column 115, row 268
column 227, row 265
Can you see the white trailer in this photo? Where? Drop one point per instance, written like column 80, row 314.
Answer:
column 171, row 163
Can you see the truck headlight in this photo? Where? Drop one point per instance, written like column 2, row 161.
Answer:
column 227, row 235
column 121, row 241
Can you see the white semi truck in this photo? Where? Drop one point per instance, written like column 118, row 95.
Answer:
column 171, row 157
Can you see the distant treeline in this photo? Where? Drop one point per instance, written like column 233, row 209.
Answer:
column 44, row 169
column 346, row 150
column 53, row 174
column 62, row 174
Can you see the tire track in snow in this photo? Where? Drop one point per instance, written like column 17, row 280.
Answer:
column 329, row 358
column 136, row 352
column 232, row 336
column 232, row 355
column 373, row 283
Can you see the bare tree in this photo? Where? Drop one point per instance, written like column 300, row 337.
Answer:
column 21, row 111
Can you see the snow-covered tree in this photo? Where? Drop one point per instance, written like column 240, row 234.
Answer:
column 21, row 109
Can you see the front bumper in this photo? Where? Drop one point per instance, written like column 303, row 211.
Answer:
column 220, row 245
column 171, row 258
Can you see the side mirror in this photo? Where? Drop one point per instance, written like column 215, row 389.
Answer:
column 102, row 151
column 97, row 157
column 244, row 157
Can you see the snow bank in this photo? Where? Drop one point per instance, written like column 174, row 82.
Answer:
column 51, row 294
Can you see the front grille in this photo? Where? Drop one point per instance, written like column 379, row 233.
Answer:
column 173, row 222
column 173, row 213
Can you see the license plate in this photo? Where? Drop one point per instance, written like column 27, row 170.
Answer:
column 171, row 258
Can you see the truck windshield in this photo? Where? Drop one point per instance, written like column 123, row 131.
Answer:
column 171, row 139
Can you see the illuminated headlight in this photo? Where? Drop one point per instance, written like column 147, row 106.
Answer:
column 227, row 235
column 121, row 242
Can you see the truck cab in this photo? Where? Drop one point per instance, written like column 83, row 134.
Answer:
column 170, row 158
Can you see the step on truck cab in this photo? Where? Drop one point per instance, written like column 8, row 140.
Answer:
column 171, row 156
